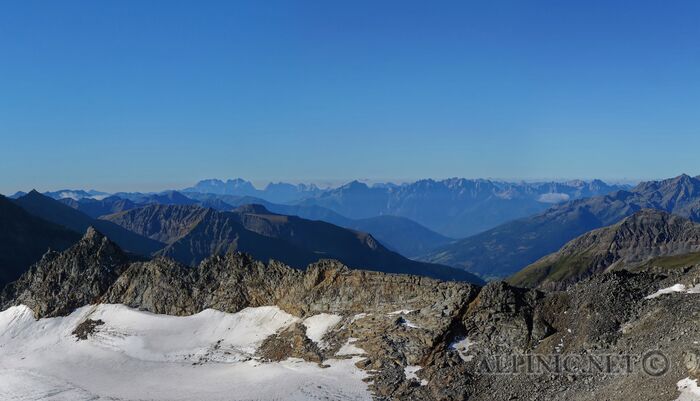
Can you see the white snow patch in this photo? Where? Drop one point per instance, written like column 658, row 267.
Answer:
column 401, row 312
column 210, row 334
column 675, row 288
column 318, row 325
column 693, row 290
column 359, row 316
column 140, row 355
column 407, row 323
column 560, row 346
column 410, row 372
column 462, row 345
column 689, row 390
column 349, row 348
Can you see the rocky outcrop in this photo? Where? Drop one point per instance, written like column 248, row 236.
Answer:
column 61, row 282
column 235, row 281
column 502, row 315
column 645, row 235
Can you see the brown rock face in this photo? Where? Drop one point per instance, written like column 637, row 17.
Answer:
column 290, row 343
column 235, row 281
column 646, row 234
column 61, row 282
column 502, row 315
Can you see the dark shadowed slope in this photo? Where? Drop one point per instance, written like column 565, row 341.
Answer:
column 354, row 248
column 400, row 234
column 24, row 238
column 193, row 233
column 506, row 249
column 163, row 223
column 61, row 214
column 634, row 241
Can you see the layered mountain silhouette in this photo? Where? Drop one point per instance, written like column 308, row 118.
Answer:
column 397, row 233
column 274, row 192
column 644, row 236
column 504, row 250
column 126, row 201
column 24, row 238
column 454, row 207
column 193, row 233
column 96, row 208
column 58, row 213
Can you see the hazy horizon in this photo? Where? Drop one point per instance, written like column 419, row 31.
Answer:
column 156, row 95
column 324, row 183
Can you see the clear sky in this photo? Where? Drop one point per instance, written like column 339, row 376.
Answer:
column 139, row 95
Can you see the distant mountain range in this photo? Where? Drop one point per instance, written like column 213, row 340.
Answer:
column 503, row 250
column 69, row 194
column 397, row 233
column 455, row 207
column 280, row 192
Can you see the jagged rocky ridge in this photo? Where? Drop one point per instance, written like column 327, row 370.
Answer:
column 403, row 321
column 63, row 281
column 632, row 242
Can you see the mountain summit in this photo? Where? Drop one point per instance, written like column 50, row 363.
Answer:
column 61, row 282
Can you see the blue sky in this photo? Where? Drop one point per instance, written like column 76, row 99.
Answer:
column 134, row 95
